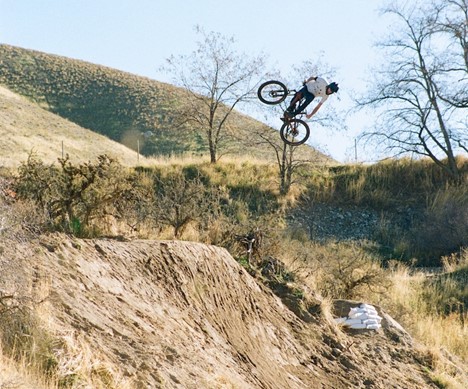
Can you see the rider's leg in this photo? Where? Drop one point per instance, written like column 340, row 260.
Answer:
column 294, row 100
column 297, row 96
column 308, row 97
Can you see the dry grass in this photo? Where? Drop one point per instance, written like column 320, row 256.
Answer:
column 193, row 159
column 78, row 365
column 391, row 183
column 37, row 353
column 411, row 299
column 229, row 171
column 75, row 365
column 26, row 128
column 17, row 375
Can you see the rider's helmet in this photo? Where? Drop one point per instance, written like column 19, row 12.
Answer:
column 333, row 87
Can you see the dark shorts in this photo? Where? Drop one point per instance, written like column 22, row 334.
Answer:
column 305, row 93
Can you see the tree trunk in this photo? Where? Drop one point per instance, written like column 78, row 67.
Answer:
column 285, row 178
column 212, row 151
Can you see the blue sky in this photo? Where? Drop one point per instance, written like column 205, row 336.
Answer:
column 138, row 35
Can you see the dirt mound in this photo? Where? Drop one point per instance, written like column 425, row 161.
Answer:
column 185, row 315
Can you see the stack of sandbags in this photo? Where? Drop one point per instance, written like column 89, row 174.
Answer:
column 363, row 317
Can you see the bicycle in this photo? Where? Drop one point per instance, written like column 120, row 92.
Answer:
column 294, row 131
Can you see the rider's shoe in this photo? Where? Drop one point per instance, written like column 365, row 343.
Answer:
column 288, row 115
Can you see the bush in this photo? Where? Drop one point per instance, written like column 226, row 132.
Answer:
column 178, row 201
column 19, row 220
column 335, row 270
column 73, row 197
column 445, row 226
column 447, row 292
column 349, row 272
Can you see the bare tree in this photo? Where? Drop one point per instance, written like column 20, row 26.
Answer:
column 289, row 159
column 286, row 156
column 180, row 201
column 216, row 79
column 453, row 24
column 420, row 114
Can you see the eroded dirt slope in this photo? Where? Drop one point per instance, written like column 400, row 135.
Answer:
column 186, row 315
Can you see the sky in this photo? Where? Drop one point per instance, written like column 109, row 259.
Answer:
column 137, row 36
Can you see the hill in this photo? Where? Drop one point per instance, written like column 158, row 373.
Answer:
column 120, row 105
column 167, row 314
column 26, row 128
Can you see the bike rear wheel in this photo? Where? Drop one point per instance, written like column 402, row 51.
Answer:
column 295, row 132
column 272, row 92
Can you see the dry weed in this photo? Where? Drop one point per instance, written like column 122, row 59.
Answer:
column 412, row 301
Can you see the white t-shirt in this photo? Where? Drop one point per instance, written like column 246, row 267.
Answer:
column 318, row 88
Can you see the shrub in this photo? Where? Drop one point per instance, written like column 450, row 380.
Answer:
column 19, row 220
column 447, row 292
column 74, row 196
column 349, row 272
column 335, row 269
column 430, row 307
column 445, row 227
column 179, row 201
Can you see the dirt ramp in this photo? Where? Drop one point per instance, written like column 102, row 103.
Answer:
column 185, row 315
column 177, row 314
column 228, row 311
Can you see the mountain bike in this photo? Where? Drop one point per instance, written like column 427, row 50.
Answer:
column 294, row 131
column 273, row 92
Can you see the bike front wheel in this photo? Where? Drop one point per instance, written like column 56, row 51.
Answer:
column 295, row 132
column 272, row 92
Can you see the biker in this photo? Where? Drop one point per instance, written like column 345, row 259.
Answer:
column 312, row 87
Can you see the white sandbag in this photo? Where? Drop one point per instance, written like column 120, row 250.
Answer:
column 367, row 316
column 354, row 311
column 355, row 315
column 358, row 310
column 358, row 326
column 367, row 306
column 371, row 321
column 353, row 321
column 363, row 317
column 370, row 311
column 340, row 320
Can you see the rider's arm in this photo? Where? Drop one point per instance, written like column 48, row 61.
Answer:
column 314, row 111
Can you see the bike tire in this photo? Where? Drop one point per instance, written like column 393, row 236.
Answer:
column 295, row 132
column 272, row 92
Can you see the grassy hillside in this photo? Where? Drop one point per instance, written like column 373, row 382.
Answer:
column 117, row 104
column 26, row 128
